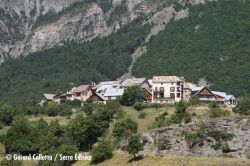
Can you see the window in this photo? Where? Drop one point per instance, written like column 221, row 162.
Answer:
column 172, row 95
column 178, row 83
column 161, row 92
column 178, row 95
column 156, row 89
column 172, row 89
column 161, row 83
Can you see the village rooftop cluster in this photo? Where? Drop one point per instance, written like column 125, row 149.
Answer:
column 160, row 89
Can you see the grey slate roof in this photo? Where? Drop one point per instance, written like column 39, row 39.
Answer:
column 230, row 97
column 197, row 88
column 133, row 82
column 49, row 96
column 222, row 94
column 79, row 89
column 114, row 91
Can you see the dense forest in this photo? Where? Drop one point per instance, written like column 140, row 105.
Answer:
column 24, row 80
column 213, row 42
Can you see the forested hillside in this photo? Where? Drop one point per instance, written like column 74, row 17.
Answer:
column 213, row 42
column 24, row 80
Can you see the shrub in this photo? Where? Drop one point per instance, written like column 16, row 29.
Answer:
column 124, row 128
column 181, row 108
column 6, row 162
column 243, row 107
column 165, row 113
column 139, row 106
column 65, row 110
column 159, row 121
column 217, row 145
column 88, row 109
column 52, row 109
column 161, row 145
column 196, row 138
column 134, row 145
column 220, row 136
column 225, row 148
column 6, row 114
column 132, row 95
column 187, row 118
column 173, row 119
column 215, row 113
column 102, row 152
column 142, row 115
column 194, row 114
column 194, row 101
column 74, row 103
column 213, row 105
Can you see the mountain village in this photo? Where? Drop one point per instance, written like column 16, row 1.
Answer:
column 159, row 89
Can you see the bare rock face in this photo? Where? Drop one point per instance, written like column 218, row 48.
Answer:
column 173, row 139
column 28, row 26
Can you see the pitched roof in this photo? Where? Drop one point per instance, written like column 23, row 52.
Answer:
column 109, row 83
column 222, row 94
column 166, row 79
column 191, row 85
column 101, row 96
column 114, row 91
column 150, row 81
column 229, row 97
column 49, row 96
column 80, row 88
column 133, row 81
column 197, row 88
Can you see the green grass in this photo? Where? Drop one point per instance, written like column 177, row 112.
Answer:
column 152, row 113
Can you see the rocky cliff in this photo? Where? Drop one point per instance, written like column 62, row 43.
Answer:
column 29, row 26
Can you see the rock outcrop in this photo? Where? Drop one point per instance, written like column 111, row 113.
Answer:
column 28, row 26
column 173, row 139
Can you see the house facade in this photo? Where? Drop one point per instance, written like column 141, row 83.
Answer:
column 149, row 96
column 204, row 94
column 81, row 93
column 167, row 89
column 46, row 98
column 230, row 101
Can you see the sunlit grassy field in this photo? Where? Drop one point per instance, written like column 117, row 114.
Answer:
column 123, row 159
column 151, row 113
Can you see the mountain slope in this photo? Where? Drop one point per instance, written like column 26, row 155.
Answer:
column 213, row 42
column 24, row 80
column 28, row 26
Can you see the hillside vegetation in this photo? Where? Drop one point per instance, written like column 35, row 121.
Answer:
column 213, row 42
column 24, row 80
